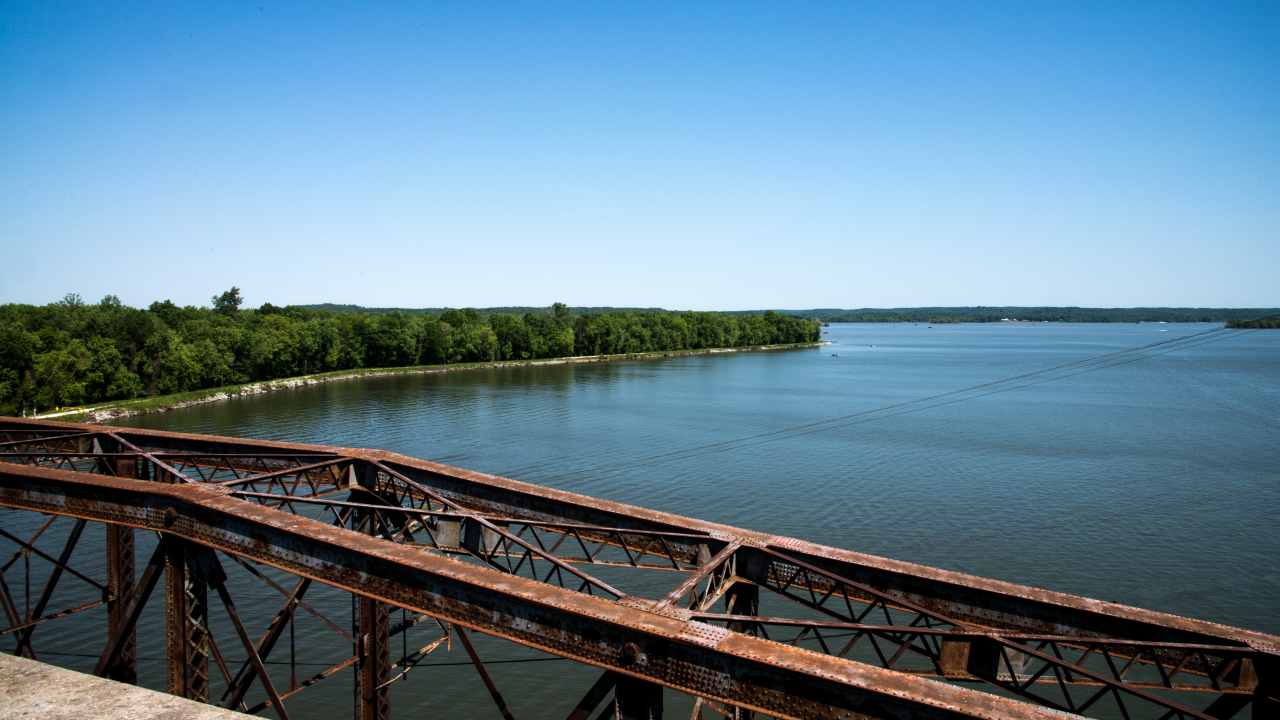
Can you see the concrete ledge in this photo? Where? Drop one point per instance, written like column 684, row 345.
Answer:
column 30, row 689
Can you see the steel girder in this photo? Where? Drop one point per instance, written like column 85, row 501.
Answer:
column 968, row 627
column 684, row 654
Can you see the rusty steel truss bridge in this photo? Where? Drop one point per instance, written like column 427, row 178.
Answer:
column 461, row 552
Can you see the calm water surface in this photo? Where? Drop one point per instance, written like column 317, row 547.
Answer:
column 1155, row 483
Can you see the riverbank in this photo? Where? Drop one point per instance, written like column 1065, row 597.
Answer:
column 112, row 410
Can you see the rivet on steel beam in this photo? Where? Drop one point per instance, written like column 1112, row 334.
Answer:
column 630, row 653
column 170, row 516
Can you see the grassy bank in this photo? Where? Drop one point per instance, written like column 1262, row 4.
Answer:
column 105, row 411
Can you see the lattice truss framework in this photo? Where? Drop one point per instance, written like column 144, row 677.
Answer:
column 840, row 615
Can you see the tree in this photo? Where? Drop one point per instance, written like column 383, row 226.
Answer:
column 562, row 315
column 61, row 374
column 17, row 360
column 71, row 301
column 228, row 303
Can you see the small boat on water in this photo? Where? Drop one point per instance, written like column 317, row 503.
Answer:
column 835, row 354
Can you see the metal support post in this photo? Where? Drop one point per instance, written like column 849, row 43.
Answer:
column 479, row 539
column 375, row 660
column 742, row 599
column 449, row 533
column 187, row 619
column 953, row 660
column 121, row 582
column 635, row 699
column 993, row 662
column 1266, row 696
column 374, row 646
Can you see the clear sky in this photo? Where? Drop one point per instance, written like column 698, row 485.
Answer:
column 683, row 155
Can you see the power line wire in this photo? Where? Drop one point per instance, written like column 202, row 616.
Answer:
column 1099, row 362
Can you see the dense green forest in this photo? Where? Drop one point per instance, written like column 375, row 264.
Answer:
column 70, row 353
column 932, row 315
column 1262, row 323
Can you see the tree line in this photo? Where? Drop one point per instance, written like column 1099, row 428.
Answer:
column 944, row 315
column 70, row 353
column 1262, row 323
column 931, row 315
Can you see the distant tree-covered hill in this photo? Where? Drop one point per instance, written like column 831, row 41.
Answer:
column 513, row 310
column 935, row 315
column 942, row 315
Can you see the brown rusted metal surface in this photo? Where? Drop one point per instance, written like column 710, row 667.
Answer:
column 186, row 623
column 514, row 560
column 374, row 651
column 684, row 654
column 986, row 602
column 121, row 582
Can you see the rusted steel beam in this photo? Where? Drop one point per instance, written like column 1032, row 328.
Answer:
column 53, row 616
column 121, row 578
column 34, row 536
column 173, row 475
column 121, row 582
column 742, row 600
column 666, row 648
column 219, row 584
column 430, row 494
column 186, row 621
column 966, row 598
column 494, row 535
column 123, row 634
column 444, row 531
column 1266, row 698
column 24, row 635
column 484, row 674
column 719, row 563
column 29, row 437
column 58, row 564
column 306, row 684
column 963, row 598
column 749, row 621
column 276, row 586
column 283, row 472
column 374, row 640
column 238, row 687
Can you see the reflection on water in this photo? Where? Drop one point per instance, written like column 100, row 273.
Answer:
column 1153, row 483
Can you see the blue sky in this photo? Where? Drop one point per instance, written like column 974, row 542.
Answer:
column 694, row 155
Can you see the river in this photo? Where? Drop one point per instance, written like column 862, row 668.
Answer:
column 1152, row 483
